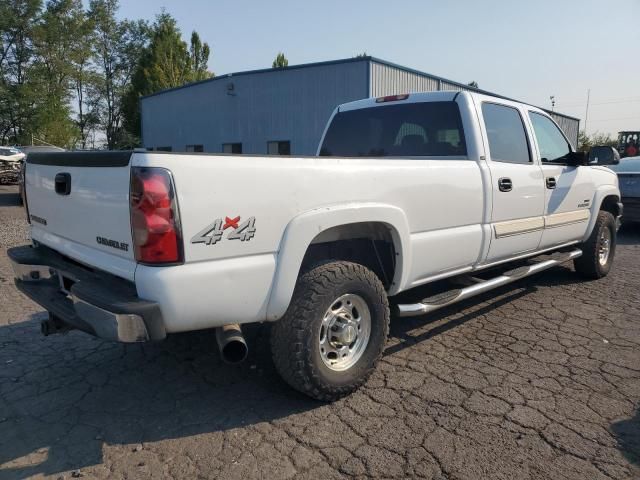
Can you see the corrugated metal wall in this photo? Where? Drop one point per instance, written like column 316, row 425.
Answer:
column 568, row 125
column 391, row 80
column 292, row 104
column 387, row 80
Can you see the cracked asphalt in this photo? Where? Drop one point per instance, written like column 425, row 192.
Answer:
column 540, row 379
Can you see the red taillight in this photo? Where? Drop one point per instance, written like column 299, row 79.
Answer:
column 155, row 223
column 392, row 98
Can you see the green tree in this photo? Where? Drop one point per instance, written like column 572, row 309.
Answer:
column 85, row 80
column 280, row 61
column 585, row 142
column 18, row 92
column 165, row 63
column 118, row 46
column 57, row 40
column 199, row 58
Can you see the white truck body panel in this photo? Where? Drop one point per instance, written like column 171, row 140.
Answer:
column 445, row 215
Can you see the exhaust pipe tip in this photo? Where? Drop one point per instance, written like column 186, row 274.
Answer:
column 234, row 352
column 232, row 345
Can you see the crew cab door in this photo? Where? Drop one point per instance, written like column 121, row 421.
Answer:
column 517, row 186
column 568, row 189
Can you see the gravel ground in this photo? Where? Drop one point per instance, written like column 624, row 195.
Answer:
column 537, row 380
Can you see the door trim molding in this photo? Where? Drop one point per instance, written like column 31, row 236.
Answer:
column 534, row 224
column 566, row 218
column 518, row 227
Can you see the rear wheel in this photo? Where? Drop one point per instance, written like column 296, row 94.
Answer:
column 332, row 336
column 599, row 249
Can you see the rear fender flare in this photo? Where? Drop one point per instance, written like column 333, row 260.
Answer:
column 301, row 231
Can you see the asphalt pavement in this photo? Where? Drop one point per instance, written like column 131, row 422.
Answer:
column 540, row 379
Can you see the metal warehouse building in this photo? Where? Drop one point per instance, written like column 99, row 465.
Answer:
column 279, row 111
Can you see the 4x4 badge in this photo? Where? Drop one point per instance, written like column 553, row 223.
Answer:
column 213, row 233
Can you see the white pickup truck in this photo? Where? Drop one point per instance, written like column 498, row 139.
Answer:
column 405, row 190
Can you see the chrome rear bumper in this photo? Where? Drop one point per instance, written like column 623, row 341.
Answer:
column 96, row 303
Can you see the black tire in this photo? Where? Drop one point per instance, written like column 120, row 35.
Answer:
column 589, row 264
column 295, row 338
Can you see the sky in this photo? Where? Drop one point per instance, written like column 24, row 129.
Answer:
column 528, row 50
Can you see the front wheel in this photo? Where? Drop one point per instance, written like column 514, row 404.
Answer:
column 333, row 333
column 599, row 249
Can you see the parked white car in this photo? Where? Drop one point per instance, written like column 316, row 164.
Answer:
column 405, row 190
column 10, row 162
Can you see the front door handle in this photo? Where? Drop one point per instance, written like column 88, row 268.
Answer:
column 505, row 184
column 551, row 182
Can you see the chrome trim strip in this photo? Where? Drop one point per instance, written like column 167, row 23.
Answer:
column 410, row 310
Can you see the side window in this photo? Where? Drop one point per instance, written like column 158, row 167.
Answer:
column 507, row 137
column 282, row 147
column 235, row 148
column 551, row 143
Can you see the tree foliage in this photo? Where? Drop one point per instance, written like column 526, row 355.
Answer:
column 165, row 63
column 117, row 50
column 585, row 142
column 67, row 72
column 280, row 61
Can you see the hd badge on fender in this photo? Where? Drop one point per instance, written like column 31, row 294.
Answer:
column 214, row 232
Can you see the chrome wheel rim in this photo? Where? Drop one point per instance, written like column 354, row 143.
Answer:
column 345, row 331
column 604, row 247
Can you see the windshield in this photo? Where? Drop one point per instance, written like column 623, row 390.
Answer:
column 398, row 130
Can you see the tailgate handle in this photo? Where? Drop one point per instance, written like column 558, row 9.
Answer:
column 63, row 183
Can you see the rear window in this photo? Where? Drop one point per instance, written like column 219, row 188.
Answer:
column 399, row 130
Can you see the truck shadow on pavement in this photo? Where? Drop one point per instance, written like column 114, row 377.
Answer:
column 627, row 433
column 65, row 399
column 447, row 318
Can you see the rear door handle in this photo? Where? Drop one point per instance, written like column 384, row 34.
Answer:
column 62, row 183
column 505, row 185
column 551, row 183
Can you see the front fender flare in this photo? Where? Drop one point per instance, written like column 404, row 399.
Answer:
column 301, row 231
column 601, row 193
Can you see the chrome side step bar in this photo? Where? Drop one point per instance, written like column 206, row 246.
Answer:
column 440, row 300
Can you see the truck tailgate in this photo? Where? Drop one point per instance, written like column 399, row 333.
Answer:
column 78, row 204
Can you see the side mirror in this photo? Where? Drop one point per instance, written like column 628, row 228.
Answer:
column 575, row 159
column 603, row 155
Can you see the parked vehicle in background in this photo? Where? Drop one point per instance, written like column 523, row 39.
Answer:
column 10, row 163
column 406, row 190
column 628, row 171
column 629, row 143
